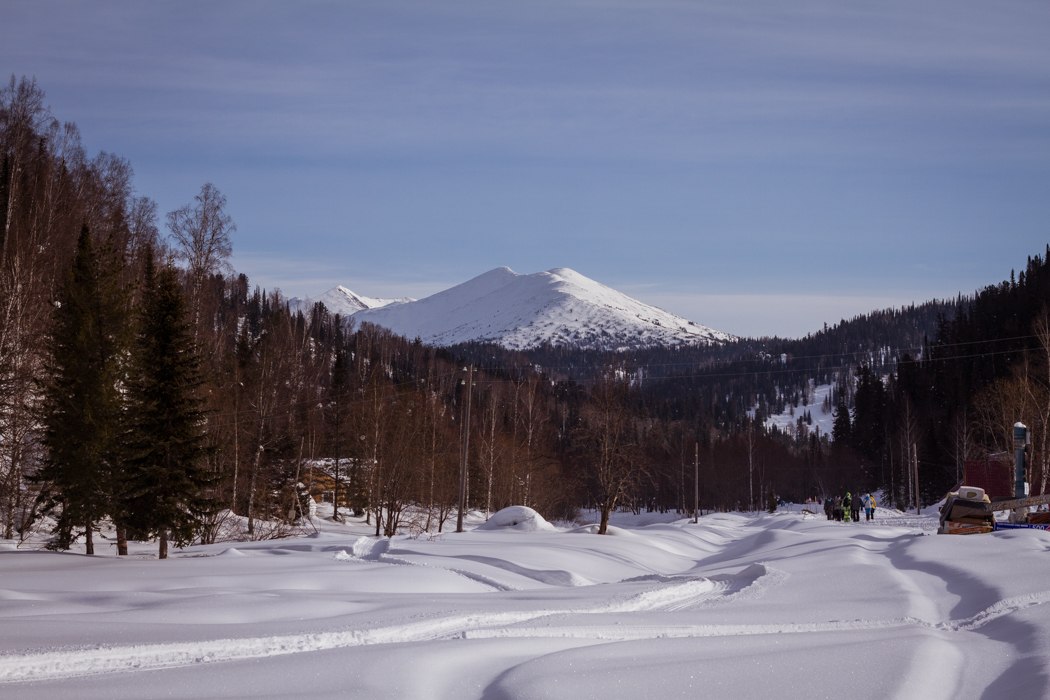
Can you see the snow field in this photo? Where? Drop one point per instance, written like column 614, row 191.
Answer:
column 734, row 606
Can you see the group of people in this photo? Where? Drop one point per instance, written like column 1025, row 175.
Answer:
column 847, row 508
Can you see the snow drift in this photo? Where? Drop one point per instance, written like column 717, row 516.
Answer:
column 736, row 605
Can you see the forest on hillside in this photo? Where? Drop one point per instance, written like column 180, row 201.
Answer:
column 146, row 384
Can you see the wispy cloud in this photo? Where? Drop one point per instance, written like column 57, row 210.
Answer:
column 667, row 80
column 716, row 145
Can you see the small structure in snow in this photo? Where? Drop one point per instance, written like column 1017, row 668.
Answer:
column 521, row 518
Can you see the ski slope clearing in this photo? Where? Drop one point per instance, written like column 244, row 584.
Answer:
column 737, row 605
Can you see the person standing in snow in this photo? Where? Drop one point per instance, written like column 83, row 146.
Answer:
column 829, row 508
column 855, row 507
column 847, row 507
column 866, row 501
column 871, row 507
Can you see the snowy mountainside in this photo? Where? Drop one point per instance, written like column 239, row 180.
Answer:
column 821, row 418
column 519, row 311
column 342, row 301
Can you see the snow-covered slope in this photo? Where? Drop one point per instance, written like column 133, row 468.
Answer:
column 344, row 302
column 560, row 307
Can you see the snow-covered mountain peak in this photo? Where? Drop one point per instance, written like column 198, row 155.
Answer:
column 569, row 275
column 343, row 301
column 477, row 287
column 556, row 307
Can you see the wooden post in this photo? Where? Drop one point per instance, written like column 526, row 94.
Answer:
column 915, row 477
column 466, row 450
column 696, row 482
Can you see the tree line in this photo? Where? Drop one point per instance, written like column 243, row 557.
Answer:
column 148, row 385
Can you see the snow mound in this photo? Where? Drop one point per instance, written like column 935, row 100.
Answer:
column 592, row 529
column 520, row 518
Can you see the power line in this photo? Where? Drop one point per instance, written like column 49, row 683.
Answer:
column 452, row 375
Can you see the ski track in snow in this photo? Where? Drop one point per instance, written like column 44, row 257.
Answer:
column 378, row 551
column 668, row 593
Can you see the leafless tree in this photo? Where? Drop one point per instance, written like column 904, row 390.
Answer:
column 610, row 450
column 202, row 239
column 39, row 172
column 908, row 434
column 1039, row 390
column 490, row 443
column 531, row 420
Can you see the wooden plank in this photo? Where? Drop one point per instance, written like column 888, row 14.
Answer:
column 1021, row 502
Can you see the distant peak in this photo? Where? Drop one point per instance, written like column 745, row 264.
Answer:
column 564, row 272
column 490, row 281
column 502, row 272
column 568, row 274
column 344, row 301
column 559, row 307
column 345, row 292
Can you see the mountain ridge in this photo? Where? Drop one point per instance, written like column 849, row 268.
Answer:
column 559, row 307
column 345, row 302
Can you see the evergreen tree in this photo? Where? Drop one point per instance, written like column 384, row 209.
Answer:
column 841, row 427
column 166, row 492
column 869, row 416
column 81, row 410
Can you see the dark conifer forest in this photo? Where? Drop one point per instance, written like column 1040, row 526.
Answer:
column 146, row 384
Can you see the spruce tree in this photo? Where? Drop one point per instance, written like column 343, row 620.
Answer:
column 869, row 416
column 167, row 488
column 81, row 408
column 841, row 427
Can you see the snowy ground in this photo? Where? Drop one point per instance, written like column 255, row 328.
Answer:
column 742, row 606
column 821, row 421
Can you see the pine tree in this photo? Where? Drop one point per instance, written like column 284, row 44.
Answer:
column 81, row 410
column 869, row 415
column 841, row 427
column 167, row 489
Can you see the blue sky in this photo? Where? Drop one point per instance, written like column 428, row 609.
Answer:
column 762, row 167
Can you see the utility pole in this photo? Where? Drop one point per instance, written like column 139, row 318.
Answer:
column 1021, row 440
column 466, row 450
column 696, row 482
column 751, row 465
column 915, row 472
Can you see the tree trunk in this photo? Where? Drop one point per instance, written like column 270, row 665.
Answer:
column 603, row 525
column 251, row 491
column 335, row 493
column 162, row 552
column 236, row 449
column 122, row 541
column 89, row 543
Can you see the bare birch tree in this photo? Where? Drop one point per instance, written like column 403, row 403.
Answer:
column 202, row 239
